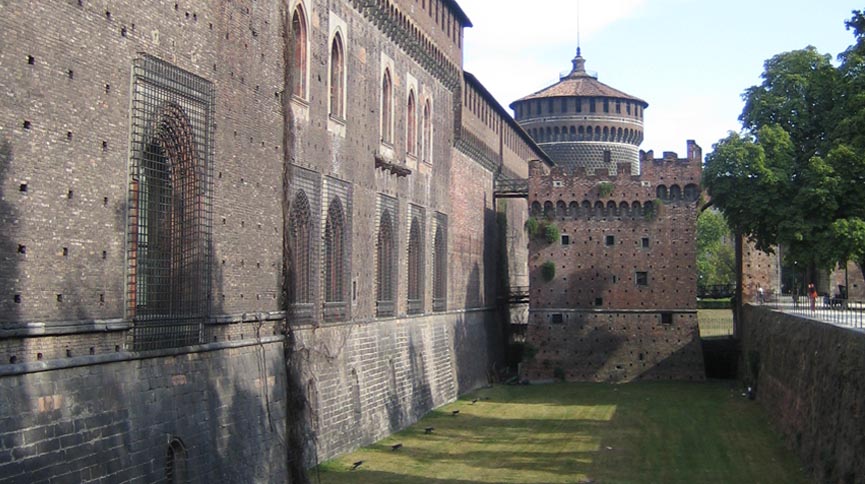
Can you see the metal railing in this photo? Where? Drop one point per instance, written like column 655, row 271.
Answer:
column 716, row 291
column 834, row 310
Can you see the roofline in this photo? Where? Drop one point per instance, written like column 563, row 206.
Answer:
column 532, row 97
column 471, row 79
column 463, row 18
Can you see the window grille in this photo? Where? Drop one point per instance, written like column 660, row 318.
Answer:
column 334, row 263
column 300, row 252
column 385, row 254
column 440, row 264
column 169, row 207
column 298, row 29
column 416, row 261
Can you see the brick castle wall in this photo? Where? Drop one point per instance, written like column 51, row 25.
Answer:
column 624, row 289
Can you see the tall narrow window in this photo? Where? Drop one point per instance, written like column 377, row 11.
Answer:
column 300, row 293
column 334, row 263
column 427, row 141
column 298, row 30
column 169, row 205
column 415, row 268
column 175, row 463
column 411, row 124
column 386, row 107
column 440, row 270
column 337, row 76
column 384, row 305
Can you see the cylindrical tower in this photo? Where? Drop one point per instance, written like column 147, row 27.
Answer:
column 582, row 122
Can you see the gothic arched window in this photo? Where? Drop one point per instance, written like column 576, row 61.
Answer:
column 337, row 77
column 415, row 268
column 300, row 240
column 411, row 124
column 386, row 107
column 298, row 30
column 334, row 262
column 385, row 254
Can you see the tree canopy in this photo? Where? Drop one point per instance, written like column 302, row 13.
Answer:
column 795, row 175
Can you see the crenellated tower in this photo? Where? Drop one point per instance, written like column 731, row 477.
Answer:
column 582, row 122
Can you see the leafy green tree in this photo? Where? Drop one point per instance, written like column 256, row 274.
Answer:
column 715, row 257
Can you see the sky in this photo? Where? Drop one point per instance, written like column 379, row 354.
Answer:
column 689, row 59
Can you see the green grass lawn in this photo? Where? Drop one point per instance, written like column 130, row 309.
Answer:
column 715, row 322
column 659, row 433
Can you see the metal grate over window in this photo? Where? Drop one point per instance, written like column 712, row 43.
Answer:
column 334, row 263
column 300, row 271
column 440, row 263
column 385, row 263
column 169, row 207
column 416, row 261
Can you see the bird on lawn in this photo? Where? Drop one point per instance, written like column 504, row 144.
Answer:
column 455, row 413
column 474, row 401
column 356, row 465
column 396, row 447
column 428, row 430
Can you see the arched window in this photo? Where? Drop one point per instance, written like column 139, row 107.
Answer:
column 175, row 463
column 337, row 77
column 299, row 63
column 300, row 271
column 411, row 124
column 606, row 135
column 636, row 209
column 586, row 208
column 549, row 209
column 536, row 209
column 675, row 193
column 168, row 219
column 573, row 133
column 386, row 107
column 385, row 264
column 581, row 133
column 415, row 268
column 440, row 271
column 692, row 192
column 611, row 209
column 599, row 209
column 623, row 209
column 574, row 209
column 334, row 263
column 661, row 192
column 561, row 209
column 427, row 132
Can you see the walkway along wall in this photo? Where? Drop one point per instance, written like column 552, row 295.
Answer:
column 810, row 377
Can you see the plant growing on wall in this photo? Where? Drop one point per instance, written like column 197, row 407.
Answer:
column 533, row 227
column 654, row 209
column 548, row 270
column 551, row 233
column 605, row 189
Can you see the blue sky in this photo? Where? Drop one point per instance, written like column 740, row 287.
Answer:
column 689, row 59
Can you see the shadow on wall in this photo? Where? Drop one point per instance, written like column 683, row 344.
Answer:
column 10, row 249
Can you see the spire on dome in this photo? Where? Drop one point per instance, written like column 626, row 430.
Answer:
column 579, row 69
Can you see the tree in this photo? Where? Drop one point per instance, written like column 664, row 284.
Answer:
column 715, row 258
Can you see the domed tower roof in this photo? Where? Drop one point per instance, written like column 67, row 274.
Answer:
column 582, row 122
column 581, row 83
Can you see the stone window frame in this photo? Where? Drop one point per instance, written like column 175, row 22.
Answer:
column 386, row 259
column 427, row 127
column 641, row 278
column 301, row 56
column 386, row 105
column 337, row 74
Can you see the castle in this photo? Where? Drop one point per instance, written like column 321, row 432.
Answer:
column 241, row 237
column 613, row 268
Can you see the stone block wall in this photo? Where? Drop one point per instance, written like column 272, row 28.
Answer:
column 613, row 346
column 111, row 418
column 810, row 376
